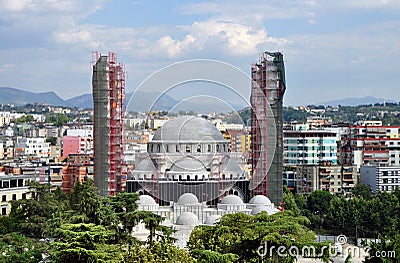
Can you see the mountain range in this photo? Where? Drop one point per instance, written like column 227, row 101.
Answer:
column 352, row 101
column 15, row 96
column 143, row 101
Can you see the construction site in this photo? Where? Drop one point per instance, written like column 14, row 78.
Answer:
column 267, row 90
column 109, row 108
column 173, row 166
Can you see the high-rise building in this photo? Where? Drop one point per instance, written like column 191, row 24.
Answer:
column 109, row 109
column 309, row 147
column 371, row 145
column 267, row 90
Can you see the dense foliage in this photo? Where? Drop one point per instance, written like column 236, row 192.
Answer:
column 83, row 227
column 363, row 216
column 245, row 238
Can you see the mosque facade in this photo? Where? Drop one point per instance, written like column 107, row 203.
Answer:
column 190, row 177
column 189, row 155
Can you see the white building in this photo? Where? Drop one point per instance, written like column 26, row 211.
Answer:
column 13, row 187
column 32, row 146
column 380, row 178
column 80, row 132
column 188, row 213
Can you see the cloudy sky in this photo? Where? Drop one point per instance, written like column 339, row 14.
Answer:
column 333, row 48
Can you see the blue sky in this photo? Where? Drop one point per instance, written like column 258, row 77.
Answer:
column 333, row 48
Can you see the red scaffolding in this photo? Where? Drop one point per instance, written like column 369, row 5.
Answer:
column 268, row 87
column 114, row 119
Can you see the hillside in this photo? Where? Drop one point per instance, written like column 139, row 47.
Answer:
column 21, row 97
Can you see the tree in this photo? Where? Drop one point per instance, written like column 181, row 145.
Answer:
column 85, row 243
column 318, row 203
column 301, row 203
column 25, row 119
column 52, row 140
column 31, row 215
column 290, row 202
column 86, row 202
column 362, row 191
column 18, row 248
column 158, row 252
column 240, row 236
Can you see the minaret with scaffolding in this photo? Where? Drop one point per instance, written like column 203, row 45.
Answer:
column 268, row 88
column 109, row 110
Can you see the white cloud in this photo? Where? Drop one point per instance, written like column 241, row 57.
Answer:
column 222, row 37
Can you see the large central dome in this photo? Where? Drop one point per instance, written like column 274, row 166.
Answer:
column 188, row 129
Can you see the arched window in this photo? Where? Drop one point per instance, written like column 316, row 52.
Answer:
column 217, row 147
column 196, row 178
column 188, row 148
column 188, row 177
column 180, row 177
column 209, row 148
column 198, row 148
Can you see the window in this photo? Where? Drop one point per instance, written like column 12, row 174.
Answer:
column 6, row 184
column 177, row 148
column 209, row 148
column 13, row 183
column 187, row 148
column 4, row 210
column 14, row 197
column 24, row 196
column 4, row 198
column 198, row 148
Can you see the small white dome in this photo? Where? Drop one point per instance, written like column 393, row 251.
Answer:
column 231, row 200
column 260, row 200
column 188, row 199
column 146, row 200
column 187, row 219
column 259, row 209
column 212, row 219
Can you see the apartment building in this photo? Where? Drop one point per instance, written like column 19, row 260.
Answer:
column 309, row 147
column 380, row 178
column 371, row 145
column 336, row 179
column 37, row 147
column 13, row 187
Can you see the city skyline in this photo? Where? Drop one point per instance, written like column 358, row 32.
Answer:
column 342, row 49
